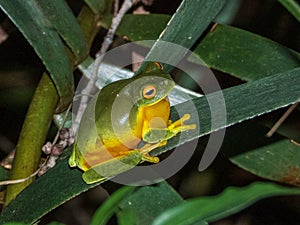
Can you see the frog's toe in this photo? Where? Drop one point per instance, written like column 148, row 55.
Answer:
column 185, row 117
column 188, row 127
column 72, row 162
column 179, row 124
column 148, row 158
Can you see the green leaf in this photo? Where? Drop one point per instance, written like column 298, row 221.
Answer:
column 88, row 23
column 126, row 217
column 99, row 6
column 139, row 27
column 214, row 208
column 148, row 202
column 269, row 94
column 234, row 51
column 229, row 11
column 128, row 204
column 292, row 6
column 12, row 223
column 273, row 158
column 55, row 223
column 65, row 23
column 110, row 206
column 185, row 27
column 31, row 20
column 245, row 55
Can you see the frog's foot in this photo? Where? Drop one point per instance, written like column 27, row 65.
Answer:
column 148, row 148
column 148, row 158
column 179, row 122
column 179, row 126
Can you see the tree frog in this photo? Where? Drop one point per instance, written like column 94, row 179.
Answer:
column 124, row 123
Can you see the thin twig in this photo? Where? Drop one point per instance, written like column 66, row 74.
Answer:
column 51, row 160
column 8, row 182
column 62, row 125
column 116, row 7
column 295, row 142
column 3, row 35
column 6, row 29
column 281, row 120
column 7, row 161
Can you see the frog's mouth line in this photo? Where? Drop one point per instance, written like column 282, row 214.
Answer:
column 165, row 98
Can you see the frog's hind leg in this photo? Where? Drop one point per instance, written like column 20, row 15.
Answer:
column 92, row 176
column 148, row 148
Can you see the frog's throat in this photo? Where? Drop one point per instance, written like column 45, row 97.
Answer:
column 164, row 98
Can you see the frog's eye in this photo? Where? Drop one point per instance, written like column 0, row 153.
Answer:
column 158, row 65
column 149, row 92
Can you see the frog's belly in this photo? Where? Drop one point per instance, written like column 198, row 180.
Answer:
column 155, row 116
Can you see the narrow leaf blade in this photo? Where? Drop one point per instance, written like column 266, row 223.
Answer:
column 230, row 201
column 245, row 55
column 178, row 31
column 99, row 6
column 237, row 52
column 35, row 26
column 274, row 158
column 64, row 21
column 110, row 206
column 159, row 198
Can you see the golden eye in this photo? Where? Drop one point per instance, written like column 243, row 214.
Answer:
column 159, row 66
column 149, row 92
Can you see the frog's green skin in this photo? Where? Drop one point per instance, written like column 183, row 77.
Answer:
column 128, row 113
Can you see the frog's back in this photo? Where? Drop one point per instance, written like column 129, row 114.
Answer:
column 113, row 117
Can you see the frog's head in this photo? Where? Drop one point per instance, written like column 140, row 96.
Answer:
column 151, row 85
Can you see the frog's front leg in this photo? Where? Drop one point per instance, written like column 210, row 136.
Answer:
column 155, row 135
column 178, row 126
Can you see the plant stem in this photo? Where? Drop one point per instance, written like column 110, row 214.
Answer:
column 281, row 120
column 32, row 136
